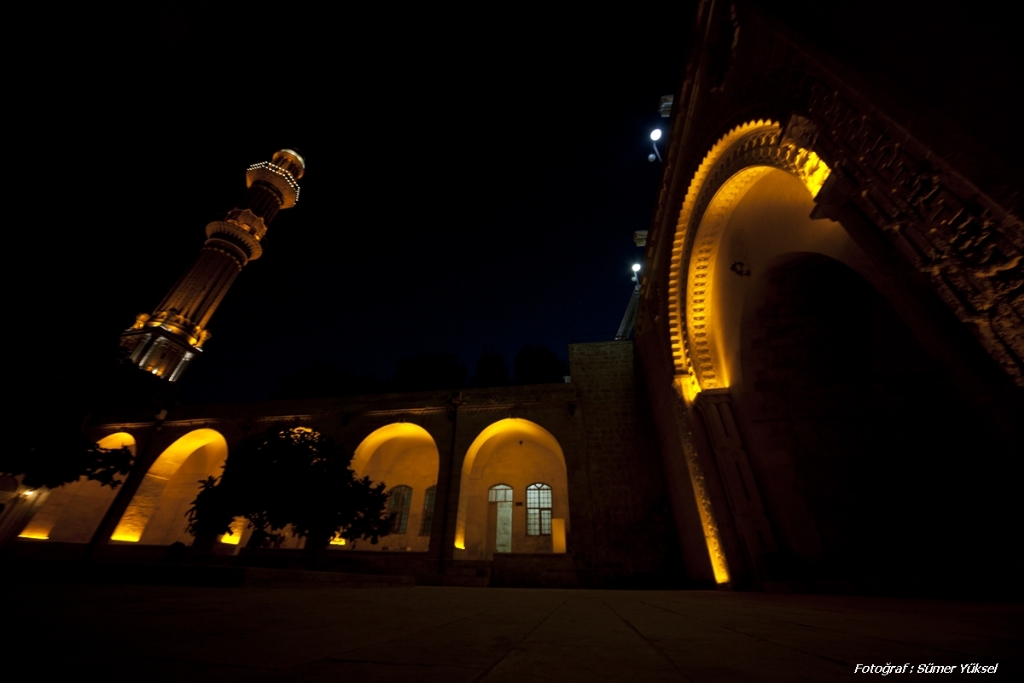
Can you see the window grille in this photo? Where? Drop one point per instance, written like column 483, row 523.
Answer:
column 500, row 493
column 428, row 511
column 538, row 510
column 398, row 505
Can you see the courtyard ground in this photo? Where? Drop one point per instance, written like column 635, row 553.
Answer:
column 266, row 633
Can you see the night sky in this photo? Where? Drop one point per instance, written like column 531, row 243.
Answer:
column 472, row 182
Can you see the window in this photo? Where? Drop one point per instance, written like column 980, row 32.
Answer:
column 500, row 493
column 428, row 511
column 538, row 510
column 398, row 506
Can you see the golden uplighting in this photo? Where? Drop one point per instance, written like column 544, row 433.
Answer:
column 731, row 166
column 713, row 543
column 147, row 498
column 235, row 531
column 812, row 170
column 338, row 540
column 558, row 536
column 50, row 511
column 410, row 433
column 510, row 428
column 118, row 440
column 687, row 387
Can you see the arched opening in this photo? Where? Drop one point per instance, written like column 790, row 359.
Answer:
column 513, row 471
column 156, row 514
column 712, row 259
column 403, row 456
column 872, row 473
column 72, row 513
column 846, row 460
column 758, row 215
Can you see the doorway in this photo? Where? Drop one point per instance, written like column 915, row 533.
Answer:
column 500, row 498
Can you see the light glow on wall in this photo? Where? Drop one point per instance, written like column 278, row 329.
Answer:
column 740, row 158
column 235, row 531
column 731, row 167
column 67, row 502
column 687, row 387
column 503, row 430
column 558, row 536
column 118, row 440
column 399, row 430
column 147, row 498
column 401, row 454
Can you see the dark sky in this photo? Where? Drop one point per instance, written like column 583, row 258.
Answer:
column 472, row 182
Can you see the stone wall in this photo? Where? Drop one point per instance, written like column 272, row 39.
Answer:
column 632, row 516
column 616, row 508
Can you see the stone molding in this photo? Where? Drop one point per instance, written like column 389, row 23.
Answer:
column 733, row 164
column 968, row 247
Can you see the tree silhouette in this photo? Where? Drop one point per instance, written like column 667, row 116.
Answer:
column 536, row 364
column 61, row 455
column 54, row 405
column 491, row 370
column 293, row 478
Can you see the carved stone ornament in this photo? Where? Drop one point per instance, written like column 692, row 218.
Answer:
column 733, row 164
column 969, row 247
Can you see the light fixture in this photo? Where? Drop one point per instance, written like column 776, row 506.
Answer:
column 655, row 136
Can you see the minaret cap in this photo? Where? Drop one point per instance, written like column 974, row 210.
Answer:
column 282, row 173
column 291, row 160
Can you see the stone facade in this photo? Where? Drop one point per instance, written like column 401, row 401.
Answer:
column 824, row 392
column 829, row 325
column 614, row 503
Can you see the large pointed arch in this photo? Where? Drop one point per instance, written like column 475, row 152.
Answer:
column 735, row 164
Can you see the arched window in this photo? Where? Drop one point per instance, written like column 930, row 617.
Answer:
column 538, row 510
column 428, row 511
column 500, row 493
column 398, row 505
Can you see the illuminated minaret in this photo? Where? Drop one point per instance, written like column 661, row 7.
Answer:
column 165, row 342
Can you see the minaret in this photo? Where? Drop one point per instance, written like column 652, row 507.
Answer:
column 165, row 342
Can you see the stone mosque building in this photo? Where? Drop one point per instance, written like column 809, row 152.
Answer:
column 823, row 391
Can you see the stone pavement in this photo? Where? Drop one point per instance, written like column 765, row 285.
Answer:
column 174, row 633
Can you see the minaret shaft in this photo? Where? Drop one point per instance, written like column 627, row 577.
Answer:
column 165, row 342
column 203, row 286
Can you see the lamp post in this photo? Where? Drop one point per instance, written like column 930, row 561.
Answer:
column 655, row 136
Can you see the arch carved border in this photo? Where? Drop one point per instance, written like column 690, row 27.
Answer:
column 734, row 163
column 732, row 166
